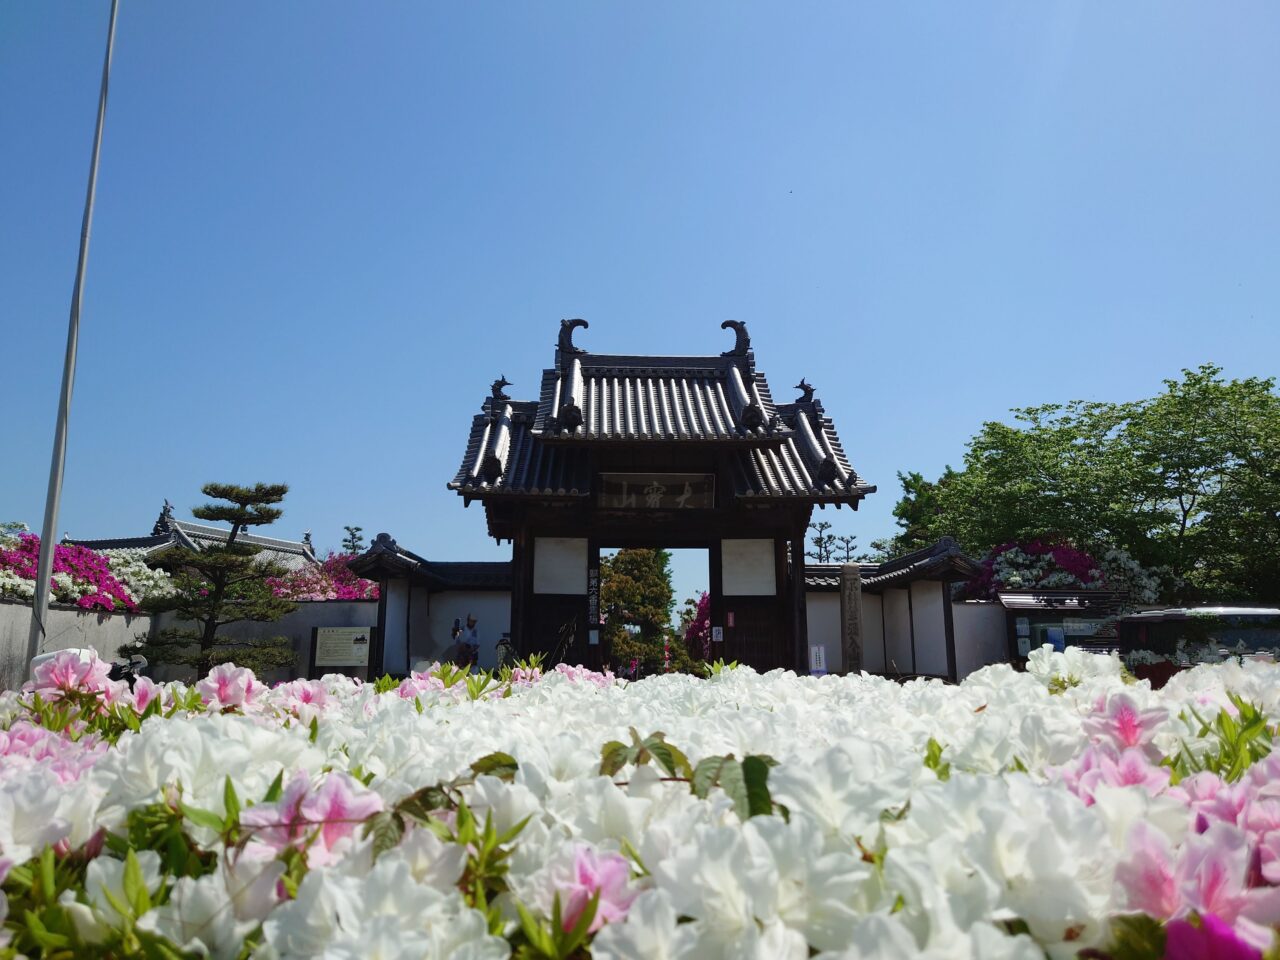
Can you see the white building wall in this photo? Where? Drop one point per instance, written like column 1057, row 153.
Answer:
column 822, row 616
column 897, row 631
column 929, row 618
column 981, row 637
column 492, row 610
column 872, row 633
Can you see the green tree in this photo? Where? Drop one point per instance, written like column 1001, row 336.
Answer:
column 353, row 542
column 223, row 584
column 823, row 540
column 1186, row 480
column 636, row 593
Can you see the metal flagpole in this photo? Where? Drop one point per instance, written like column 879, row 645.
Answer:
column 40, row 608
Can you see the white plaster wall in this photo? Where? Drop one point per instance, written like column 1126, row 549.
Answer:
column 897, row 631
column 930, row 626
column 872, row 634
column 492, row 610
column 981, row 637
column 65, row 628
column 822, row 616
column 559, row 565
column 420, row 603
column 747, row 568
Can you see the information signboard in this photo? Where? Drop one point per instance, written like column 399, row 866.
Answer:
column 342, row 646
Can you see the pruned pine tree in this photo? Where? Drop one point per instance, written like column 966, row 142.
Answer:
column 354, row 540
column 824, row 542
column 224, row 584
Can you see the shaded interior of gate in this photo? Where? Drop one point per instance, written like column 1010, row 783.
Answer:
column 656, row 451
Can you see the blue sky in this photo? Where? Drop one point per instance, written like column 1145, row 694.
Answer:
column 323, row 228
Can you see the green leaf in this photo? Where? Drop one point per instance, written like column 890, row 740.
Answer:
column 135, row 888
column 706, row 775
column 1136, row 937
column 670, row 758
column 276, row 790
column 613, row 757
column 315, row 729
column 387, row 828
column 734, row 784
column 500, row 765
column 418, row 805
column 203, row 818
column 755, row 775
column 933, row 760
column 231, row 801
column 570, row 940
column 41, row 934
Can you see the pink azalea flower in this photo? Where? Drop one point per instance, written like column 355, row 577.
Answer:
column 279, row 825
column 1124, row 725
column 229, row 686
column 1147, row 873
column 1212, row 939
column 71, row 672
column 342, row 804
column 606, row 874
column 145, row 690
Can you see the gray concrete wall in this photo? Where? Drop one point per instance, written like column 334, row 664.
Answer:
column 297, row 626
column 106, row 633
column 981, row 637
column 66, row 627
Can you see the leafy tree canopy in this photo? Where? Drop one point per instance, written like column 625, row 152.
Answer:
column 1188, row 480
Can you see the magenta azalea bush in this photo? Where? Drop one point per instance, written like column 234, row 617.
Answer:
column 80, row 576
column 697, row 635
column 1046, row 565
column 331, row 580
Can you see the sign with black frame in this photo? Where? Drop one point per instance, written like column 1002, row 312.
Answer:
column 341, row 650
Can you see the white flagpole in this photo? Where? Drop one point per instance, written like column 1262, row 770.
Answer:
column 40, row 608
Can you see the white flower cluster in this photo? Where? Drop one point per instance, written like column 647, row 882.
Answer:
column 871, row 851
column 129, row 566
column 1121, row 571
column 1015, row 569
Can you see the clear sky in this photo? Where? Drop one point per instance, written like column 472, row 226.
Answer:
column 322, row 229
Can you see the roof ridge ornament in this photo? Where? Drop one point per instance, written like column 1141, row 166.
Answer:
column 806, row 391
column 496, row 388
column 164, row 522
column 566, row 335
column 742, row 343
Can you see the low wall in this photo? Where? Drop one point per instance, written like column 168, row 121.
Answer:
column 65, row 627
column 106, row 633
column 297, row 626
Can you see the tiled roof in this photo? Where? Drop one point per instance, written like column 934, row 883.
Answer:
column 291, row 554
column 825, row 577
column 601, row 398
column 541, row 448
column 944, row 558
column 387, row 558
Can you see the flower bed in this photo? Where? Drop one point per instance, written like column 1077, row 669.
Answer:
column 1061, row 812
column 114, row 580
